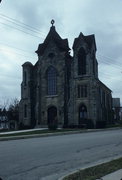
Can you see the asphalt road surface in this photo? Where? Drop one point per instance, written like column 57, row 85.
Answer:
column 49, row 158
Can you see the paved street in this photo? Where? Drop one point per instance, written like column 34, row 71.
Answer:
column 48, row 158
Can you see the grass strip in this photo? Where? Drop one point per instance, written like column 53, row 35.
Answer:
column 95, row 172
column 37, row 132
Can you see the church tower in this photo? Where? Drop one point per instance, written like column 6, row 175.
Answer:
column 85, row 74
column 50, row 82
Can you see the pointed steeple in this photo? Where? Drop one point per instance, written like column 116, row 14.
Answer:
column 90, row 40
column 62, row 44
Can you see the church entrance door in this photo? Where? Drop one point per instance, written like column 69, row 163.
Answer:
column 82, row 115
column 52, row 116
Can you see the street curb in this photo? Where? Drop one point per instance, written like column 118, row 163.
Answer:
column 36, row 136
column 54, row 134
column 75, row 171
column 90, row 166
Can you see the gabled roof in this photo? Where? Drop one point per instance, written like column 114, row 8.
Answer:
column 90, row 40
column 53, row 35
column 103, row 85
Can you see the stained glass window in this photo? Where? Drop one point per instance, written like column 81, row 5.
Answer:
column 51, row 81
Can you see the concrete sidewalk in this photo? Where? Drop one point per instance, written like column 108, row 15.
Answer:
column 117, row 175
column 73, row 130
column 19, row 131
column 46, row 134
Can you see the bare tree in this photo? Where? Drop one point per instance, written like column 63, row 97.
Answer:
column 4, row 103
column 13, row 110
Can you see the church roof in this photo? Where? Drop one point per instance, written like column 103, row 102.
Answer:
column 90, row 39
column 103, row 85
column 53, row 35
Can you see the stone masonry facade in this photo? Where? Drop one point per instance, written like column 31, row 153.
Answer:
column 62, row 89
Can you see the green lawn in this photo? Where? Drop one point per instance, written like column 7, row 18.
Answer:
column 97, row 171
column 44, row 131
column 37, row 132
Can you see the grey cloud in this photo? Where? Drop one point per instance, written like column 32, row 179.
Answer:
column 102, row 18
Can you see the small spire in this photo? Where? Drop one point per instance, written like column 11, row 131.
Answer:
column 52, row 22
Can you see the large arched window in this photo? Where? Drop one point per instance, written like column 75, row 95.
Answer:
column 81, row 62
column 51, row 81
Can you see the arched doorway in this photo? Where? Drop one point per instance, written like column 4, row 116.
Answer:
column 52, row 115
column 82, row 115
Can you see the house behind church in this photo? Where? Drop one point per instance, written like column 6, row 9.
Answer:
column 63, row 89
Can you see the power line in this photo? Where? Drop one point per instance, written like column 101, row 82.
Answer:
column 9, row 76
column 105, row 62
column 30, row 52
column 21, row 24
column 105, row 74
column 109, row 60
column 13, row 47
column 15, row 53
column 112, row 66
column 20, row 54
column 117, row 66
column 105, row 56
column 19, row 29
column 15, row 50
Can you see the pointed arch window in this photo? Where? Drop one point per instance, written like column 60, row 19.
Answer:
column 25, row 78
column 25, row 110
column 81, row 62
column 51, row 81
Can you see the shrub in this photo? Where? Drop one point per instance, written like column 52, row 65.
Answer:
column 90, row 124
column 52, row 126
column 23, row 127
column 100, row 124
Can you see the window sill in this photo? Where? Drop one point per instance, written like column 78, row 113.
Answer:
column 82, row 98
column 51, row 96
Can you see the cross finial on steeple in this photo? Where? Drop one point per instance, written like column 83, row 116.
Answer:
column 52, row 22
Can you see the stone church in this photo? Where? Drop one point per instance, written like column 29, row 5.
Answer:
column 62, row 89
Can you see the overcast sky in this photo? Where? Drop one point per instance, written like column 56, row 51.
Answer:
column 25, row 24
